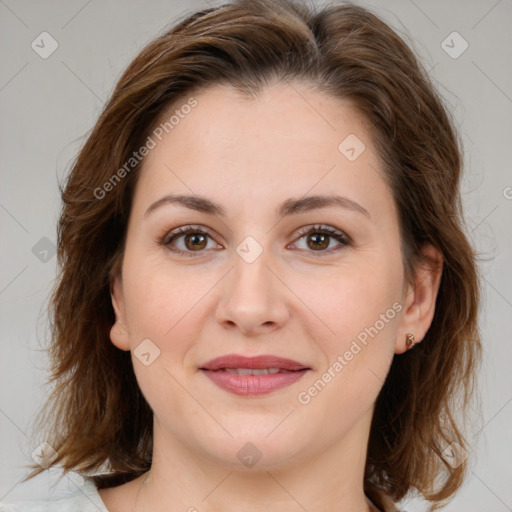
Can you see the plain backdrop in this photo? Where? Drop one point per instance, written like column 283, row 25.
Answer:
column 48, row 105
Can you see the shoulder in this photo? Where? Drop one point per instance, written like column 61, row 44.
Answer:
column 84, row 499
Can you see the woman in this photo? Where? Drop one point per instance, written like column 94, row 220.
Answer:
column 267, row 299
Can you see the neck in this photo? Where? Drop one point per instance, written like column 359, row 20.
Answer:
column 187, row 481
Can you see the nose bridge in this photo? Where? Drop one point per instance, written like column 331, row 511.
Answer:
column 251, row 274
column 251, row 298
column 250, row 279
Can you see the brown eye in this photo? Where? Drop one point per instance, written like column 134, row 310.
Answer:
column 195, row 241
column 188, row 240
column 318, row 241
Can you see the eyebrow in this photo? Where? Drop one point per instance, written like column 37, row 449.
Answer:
column 288, row 207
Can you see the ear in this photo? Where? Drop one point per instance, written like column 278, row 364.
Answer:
column 119, row 332
column 420, row 298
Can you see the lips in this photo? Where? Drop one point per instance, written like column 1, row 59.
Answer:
column 246, row 376
column 257, row 363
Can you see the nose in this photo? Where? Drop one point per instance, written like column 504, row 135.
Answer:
column 253, row 299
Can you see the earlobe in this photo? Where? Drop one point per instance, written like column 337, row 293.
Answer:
column 420, row 300
column 119, row 332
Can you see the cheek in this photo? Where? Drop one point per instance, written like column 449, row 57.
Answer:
column 356, row 316
column 163, row 306
column 159, row 296
column 348, row 298
column 362, row 311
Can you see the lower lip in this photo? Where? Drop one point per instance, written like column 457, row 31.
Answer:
column 253, row 385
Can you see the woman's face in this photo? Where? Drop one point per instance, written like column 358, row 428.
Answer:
column 248, row 280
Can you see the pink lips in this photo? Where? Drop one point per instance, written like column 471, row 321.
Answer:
column 232, row 373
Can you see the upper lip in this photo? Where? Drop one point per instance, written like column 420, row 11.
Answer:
column 256, row 362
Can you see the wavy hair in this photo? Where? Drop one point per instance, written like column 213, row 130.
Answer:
column 96, row 417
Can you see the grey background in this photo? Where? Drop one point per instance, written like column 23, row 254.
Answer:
column 47, row 106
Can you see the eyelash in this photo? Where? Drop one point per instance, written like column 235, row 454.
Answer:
column 343, row 239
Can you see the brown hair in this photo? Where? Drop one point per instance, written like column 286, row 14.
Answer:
column 96, row 417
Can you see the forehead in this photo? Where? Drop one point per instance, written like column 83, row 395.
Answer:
column 278, row 115
column 288, row 140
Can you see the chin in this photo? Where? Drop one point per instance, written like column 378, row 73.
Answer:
column 257, row 448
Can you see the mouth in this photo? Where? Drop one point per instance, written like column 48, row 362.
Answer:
column 249, row 376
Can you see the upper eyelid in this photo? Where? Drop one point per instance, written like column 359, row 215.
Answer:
column 321, row 227
column 184, row 230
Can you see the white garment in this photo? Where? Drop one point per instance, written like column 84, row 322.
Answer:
column 84, row 499
column 87, row 499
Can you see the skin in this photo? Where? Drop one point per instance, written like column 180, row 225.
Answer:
column 249, row 155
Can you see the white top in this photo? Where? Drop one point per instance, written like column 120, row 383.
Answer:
column 87, row 499
column 84, row 499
